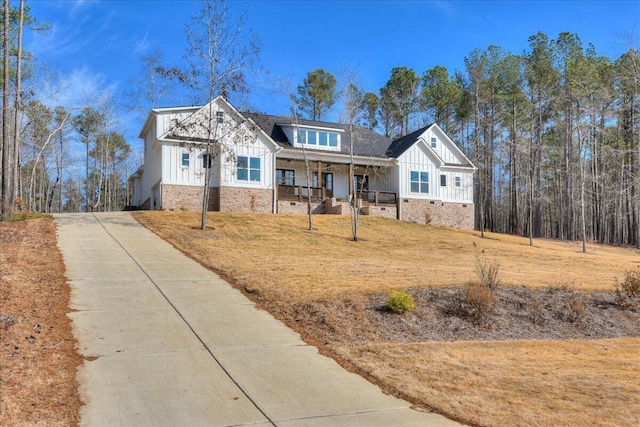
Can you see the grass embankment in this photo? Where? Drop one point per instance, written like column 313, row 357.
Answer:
column 38, row 360
column 526, row 383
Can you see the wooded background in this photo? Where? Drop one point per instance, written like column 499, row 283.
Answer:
column 554, row 132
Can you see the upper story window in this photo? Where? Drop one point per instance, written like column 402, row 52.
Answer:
column 219, row 116
column 419, row 182
column 443, row 180
column 318, row 138
column 434, row 142
column 457, row 181
column 185, row 160
column 248, row 169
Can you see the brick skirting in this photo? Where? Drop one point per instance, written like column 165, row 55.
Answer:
column 434, row 212
column 226, row 199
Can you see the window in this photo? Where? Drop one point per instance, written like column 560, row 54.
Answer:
column 185, row 160
column 219, row 116
column 419, row 182
column 457, row 181
column 443, row 180
column 285, row 177
column 248, row 169
column 206, row 161
column 327, row 180
column 434, row 142
column 319, row 138
column 361, row 182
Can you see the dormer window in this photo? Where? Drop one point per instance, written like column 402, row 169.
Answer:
column 321, row 139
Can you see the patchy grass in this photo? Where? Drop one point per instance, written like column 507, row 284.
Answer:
column 38, row 360
column 515, row 383
column 291, row 270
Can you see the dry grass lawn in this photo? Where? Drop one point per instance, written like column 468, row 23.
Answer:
column 256, row 249
column 281, row 264
column 517, row 383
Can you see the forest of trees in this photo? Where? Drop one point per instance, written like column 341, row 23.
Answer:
column 554, row 132
column 42, row 168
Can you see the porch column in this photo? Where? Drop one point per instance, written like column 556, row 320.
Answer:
column 320, row 180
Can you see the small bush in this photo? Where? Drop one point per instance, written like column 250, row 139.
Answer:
column 575, row 310
column 474, row 302
column 487, row 270
column 630, row 286
column 399, row 302
column 479, row 303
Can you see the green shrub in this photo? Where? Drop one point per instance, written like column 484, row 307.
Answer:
column 400, row 302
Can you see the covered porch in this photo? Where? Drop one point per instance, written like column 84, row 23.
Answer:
column 327, row 183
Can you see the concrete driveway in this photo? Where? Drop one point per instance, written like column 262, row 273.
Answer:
column 169, row 343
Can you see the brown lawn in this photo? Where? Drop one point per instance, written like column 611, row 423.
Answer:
column 38, row 360
column 287, row 268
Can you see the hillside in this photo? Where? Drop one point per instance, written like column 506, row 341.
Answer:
column 555, row 345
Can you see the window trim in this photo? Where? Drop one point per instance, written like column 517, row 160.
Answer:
column 420, row 182
column 248, row 169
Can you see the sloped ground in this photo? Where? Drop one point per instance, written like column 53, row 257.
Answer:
column 558, row 347
column 37, row 352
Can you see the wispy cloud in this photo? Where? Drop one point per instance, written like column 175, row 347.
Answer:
column 142, row 45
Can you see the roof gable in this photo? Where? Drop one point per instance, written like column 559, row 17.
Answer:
column 399, row 146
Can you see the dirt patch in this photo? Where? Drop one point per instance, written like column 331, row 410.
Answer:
column 517, row 314
column 38, row 360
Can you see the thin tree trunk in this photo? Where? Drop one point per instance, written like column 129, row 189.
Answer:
column 6, row 145
column 17, row 109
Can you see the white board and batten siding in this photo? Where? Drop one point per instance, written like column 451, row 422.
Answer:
column 419, row 159
column 424, row 157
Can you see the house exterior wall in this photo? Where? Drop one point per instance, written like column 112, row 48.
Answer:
column 181, row 197
column 442, row 214
column 417, row 158
column 451, row 193
column 235, row 199
column 300, row 208
column 390, row 212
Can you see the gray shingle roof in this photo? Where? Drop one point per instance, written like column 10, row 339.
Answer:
column 365, row 141
column 401, row 145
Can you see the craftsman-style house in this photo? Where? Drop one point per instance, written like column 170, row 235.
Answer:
column 264, row 163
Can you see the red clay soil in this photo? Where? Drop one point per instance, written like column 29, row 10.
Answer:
column 38, row 358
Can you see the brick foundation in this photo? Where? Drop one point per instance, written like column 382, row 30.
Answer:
column 299, row 208
column 182, row 197
column 381, row 211
column 238, row 199
column 443, row 214
column 226, row 199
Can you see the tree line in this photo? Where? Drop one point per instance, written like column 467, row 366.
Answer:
column 42, row 142
column 554, row 133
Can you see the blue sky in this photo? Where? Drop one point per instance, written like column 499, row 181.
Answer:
column 96, row 45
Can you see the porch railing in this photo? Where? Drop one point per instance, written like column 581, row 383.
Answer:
column 378, row 197
column 300, row 192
